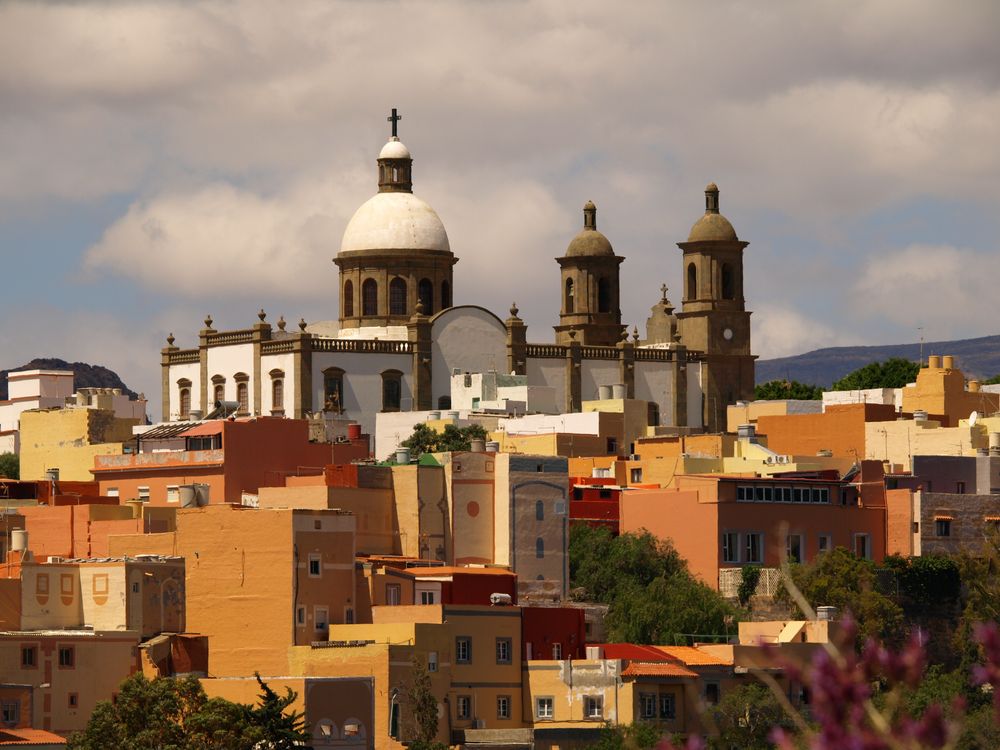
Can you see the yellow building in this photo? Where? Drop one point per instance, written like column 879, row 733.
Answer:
column 68, row 439
column 941, row 391
column 897, row 442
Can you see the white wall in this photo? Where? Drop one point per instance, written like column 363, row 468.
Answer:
column 227, row 361
column 585, row 423
column 192, row 372
column 597, row 372
column 654, row 382
column 465, row 338
column 694, row 394
column 391, row 428
column 892, row 396
column 285, row 363
column 362, row 382
column 551, row 373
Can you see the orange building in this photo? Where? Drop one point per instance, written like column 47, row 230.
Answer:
column 719, row 523
column 82, row 528
column 230, row 457
column 840, row 430
column 259, row 580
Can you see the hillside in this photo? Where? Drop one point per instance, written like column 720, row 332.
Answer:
column 84, row 375
column 976, row 357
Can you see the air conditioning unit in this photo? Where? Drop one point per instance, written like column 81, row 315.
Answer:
column 769, row 460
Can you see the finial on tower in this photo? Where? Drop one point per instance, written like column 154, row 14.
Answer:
column 170, row 339
column 711, row 198
column 394, row 118
column 663, row 293
column 302, row 324
column 208, row 321
column 589, row 215
column 261, row 314
column 281, row 323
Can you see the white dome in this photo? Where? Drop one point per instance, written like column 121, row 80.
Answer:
column 394, row 149
column 394, row 221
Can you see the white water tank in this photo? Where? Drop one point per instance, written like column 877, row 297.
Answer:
column 188, row 495
column 18, row 540
column 604, row 393
column 618, row 391
column 402, row 455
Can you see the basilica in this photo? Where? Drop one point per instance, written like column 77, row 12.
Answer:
column 399, row 336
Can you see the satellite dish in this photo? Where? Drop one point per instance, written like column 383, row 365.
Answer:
column 973, row 418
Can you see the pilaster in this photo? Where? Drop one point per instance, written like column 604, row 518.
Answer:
column 203, row 345
column 517, row 343
column 574, row 362
column 419, row 335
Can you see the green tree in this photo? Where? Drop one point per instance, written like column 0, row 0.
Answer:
column 273, row 725
column 777, row 390
column 636, row 736
column 421, row 709
column 651, row 595
column 745, row 717
column 10, row 466
column 426, row 440
column 749, row 578
column 841, row 580
column 992, row 381
column 893, row 373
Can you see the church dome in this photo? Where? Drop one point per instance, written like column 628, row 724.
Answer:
column 713, row 226
column 394, row 149
column 395, row 221
column 589, row 241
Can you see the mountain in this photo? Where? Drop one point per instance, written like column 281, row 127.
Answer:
column 975, row 357
column 84, row 375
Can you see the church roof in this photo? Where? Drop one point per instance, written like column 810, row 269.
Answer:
column 589, row 241
column 394, row 149
column 713, row 226
column 395, row 221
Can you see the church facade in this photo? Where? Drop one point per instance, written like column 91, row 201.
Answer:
column 398, row 336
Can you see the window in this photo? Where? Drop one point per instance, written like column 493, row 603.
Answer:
column 569, row 296
column 74, row 700
column 11, row 713
column 397, row 297
column 392, row 594
column 67, row 657
column 300, row 616
column 432, row 661
column 557, row 651
column 960, row 488
column 322, row 618
column 243, row 397
column 42, row 583
column 277, row 395
column 315, row 565
column 647, row 705
column 635, row 475
column 135, row 587
column 463, row 707
column 219, row 393
column 728, row 282
column 539, row 511
column 793, row 548
column 348, row 299
column 445, row 295
column 349, row 615
column 825, row 543
column 544, row 708
column 185, row 399
column 668, row 706
column 612, row 446
column 425, row 294
column 143, row 493
column 369, row 297
column 539, row 548
column 503, row 650
column 503, row 706
column 692, row 282
column 426, row 597
column 173, row 493
column 29, row 657
column 333, row 390
column 942, row 527
column 731, row 547
column 392, row 387
column 463, row 650
column 112, row 492
column 603, row 295
column 593, row 706
column 711, row 693
column 862, row 546
column 754, row 548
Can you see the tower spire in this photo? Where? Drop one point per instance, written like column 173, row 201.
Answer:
column 394, row 119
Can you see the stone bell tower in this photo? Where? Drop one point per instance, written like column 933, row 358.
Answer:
column 713, row 317
column 589, row 288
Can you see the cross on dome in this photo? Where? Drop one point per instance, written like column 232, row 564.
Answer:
column 394, row 118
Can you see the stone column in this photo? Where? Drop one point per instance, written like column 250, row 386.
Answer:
column 517, row 346
column 261, row 332
column 203, row 345
column 626, row 365
column 419, row 336
column 678, row 366
column 302, row 372
column 574, row 362
column 165, row 369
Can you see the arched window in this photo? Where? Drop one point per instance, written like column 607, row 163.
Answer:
column 604, row 295
column 653, row 414
column 728, row 282
column 333, row 390
column 569, row 296
column 539, row 511
column 277, row 393
column 692, row 282
column 369, row 297
column 397, row 297
column 184, row 398
column 539, row 548
column 218, row 389
column 392, row 390
column 425, row 293
column 445, row 295
column 243, row 391
column 348, row 299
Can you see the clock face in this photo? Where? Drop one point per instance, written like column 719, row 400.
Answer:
column 727, row 334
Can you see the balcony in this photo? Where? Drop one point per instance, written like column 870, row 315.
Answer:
column 767, row 585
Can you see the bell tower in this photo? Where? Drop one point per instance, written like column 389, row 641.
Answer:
column 713, row 317
column 589, row 288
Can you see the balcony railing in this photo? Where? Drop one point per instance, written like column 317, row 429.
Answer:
column 767, row 585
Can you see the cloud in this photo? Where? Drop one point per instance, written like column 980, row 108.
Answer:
column 780, row 331
column 947, row 291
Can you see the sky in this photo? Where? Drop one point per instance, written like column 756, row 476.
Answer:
column 162, row 161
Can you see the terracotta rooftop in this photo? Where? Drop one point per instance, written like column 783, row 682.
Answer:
column 656, row 669
column 28, row 737
column 693, row 657
column 447, row 570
